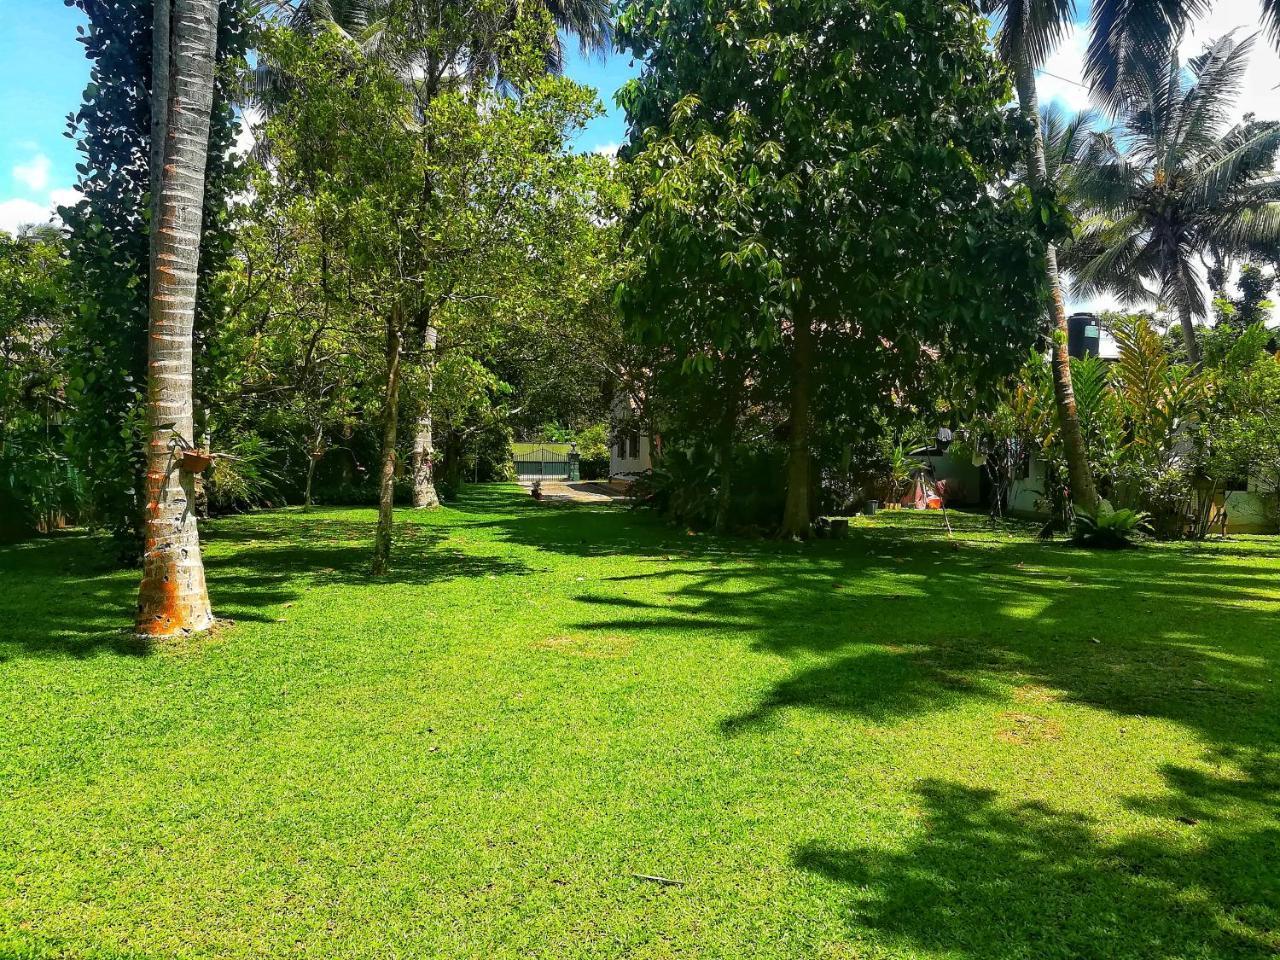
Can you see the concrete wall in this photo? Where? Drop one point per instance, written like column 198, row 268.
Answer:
column 621, row 459
column 1251, row 511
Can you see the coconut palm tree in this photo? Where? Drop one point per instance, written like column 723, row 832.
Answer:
column 1173, row 183
column 1029, row 31
column 1121, row 27
column 173, row 599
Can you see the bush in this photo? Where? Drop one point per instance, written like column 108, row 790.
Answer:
column 1110, row 529
column 241, row 478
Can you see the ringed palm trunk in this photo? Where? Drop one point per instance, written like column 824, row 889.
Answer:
column 423, row 466
column 1188, row 323
column 1084, row 494
column 173, row 599
column 387, row 474
column 797, row 515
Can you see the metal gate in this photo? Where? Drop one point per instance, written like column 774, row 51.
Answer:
column 542, row 463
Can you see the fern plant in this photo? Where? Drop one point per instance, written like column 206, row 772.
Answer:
column 1109, row 529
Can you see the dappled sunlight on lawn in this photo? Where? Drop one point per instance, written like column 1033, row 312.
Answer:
column 903, row 744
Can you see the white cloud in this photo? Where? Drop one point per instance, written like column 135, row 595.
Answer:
column 1061, row 79
column 68, row 197
column 607, row 149
column 34, row 174
column 17, row 213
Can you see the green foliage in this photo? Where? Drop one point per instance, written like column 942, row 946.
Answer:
column 241, row 476
column 1109, row 529
column 39, row 487
column 834, row 162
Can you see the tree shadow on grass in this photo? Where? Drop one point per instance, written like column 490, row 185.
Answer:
column 996, row 881
column 308, row 550
column 888, row 624
column 61, row 596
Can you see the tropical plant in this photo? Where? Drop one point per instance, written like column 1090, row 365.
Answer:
column 1160, row 403
column 1108, row 529
column 1174, row 183
column 1029, row 31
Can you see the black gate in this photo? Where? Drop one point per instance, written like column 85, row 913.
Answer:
column 542, row 463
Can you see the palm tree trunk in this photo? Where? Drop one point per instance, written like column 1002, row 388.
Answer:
column 1083, row 492
column 387, row 478
column 1189, row 333
column 423, row 466
column 173, row 599
column 797, row 514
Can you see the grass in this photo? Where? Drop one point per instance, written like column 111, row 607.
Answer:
column 898, row 745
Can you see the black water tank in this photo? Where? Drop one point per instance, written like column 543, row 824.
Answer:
column 1082, row 335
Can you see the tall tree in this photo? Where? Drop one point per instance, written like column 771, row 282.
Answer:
column 434, row 46
column 173, row 599
column 1122, row 29
column 1029, row 31
column 816, row 195
column 1173, row 183
column 108, row 247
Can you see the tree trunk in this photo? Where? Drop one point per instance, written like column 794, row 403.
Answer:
column 387, row 478
column 728, row 430
column 423, row 467
column 797, row 515
column 173, row 599
column 1189, row 334
column 1083, row 492
column 313, row 459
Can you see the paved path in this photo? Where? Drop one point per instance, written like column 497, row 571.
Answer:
column 585, row 491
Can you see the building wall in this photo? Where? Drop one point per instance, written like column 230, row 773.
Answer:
column 629, row 455
column 1025, row 494
column 1251, row 511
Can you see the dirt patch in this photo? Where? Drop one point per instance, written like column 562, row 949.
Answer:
column 1035, row 693
column 589, row 646
column 1028, row 728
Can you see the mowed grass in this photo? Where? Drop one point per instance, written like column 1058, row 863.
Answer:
column 899, row 745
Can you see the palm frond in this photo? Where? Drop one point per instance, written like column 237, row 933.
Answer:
column 1028, row 31
column 1110, row 256
column 1123, row 29
column 1207, row 103
column 1237, row 158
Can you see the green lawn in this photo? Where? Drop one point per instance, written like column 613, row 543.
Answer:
column 896, row 746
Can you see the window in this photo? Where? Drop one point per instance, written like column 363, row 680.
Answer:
column 635, row 445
